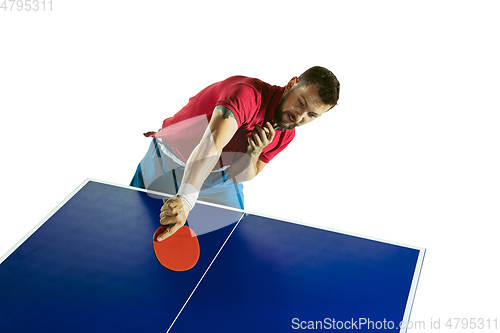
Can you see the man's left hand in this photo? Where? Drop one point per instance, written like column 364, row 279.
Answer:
column 261, row 137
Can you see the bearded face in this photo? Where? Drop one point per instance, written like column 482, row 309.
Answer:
column 299, row 105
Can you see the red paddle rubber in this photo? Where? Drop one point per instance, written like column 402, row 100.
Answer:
column 178, row 252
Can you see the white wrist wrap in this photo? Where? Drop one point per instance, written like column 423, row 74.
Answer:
column 188, row 193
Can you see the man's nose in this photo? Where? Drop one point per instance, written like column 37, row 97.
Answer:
column 299, row 115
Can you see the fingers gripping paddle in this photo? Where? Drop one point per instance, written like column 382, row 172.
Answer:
column 178, row 252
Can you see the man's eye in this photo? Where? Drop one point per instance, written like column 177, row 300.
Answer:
column 300, row 103
column 312, row 115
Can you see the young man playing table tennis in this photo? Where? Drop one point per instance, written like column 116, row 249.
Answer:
column 226, row 135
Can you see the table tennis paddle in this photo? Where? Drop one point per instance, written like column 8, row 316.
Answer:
column 178, row 252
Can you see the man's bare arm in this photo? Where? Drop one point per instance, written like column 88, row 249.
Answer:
column 245, row 168
column 202, row 160
column 250, row 165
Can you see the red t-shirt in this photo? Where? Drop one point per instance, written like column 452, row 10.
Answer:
column 249, row 99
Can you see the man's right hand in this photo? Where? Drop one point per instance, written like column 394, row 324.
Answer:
column 173, row 214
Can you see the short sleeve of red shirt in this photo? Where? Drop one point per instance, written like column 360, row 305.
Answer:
column 249, row 99
column 242, row 100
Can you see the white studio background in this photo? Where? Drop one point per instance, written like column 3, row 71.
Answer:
column 410, row 154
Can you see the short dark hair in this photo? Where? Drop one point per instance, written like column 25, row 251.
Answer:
column 325, row 81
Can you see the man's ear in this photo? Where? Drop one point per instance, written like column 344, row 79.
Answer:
column 291, row 83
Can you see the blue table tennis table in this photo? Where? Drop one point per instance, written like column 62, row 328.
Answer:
column 90, row 267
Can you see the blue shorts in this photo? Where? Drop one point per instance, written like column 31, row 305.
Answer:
column 158, row 172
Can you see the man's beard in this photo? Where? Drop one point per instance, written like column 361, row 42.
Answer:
column 278, row 115
column 278, row 119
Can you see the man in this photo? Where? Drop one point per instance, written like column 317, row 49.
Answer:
column 225, row 136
